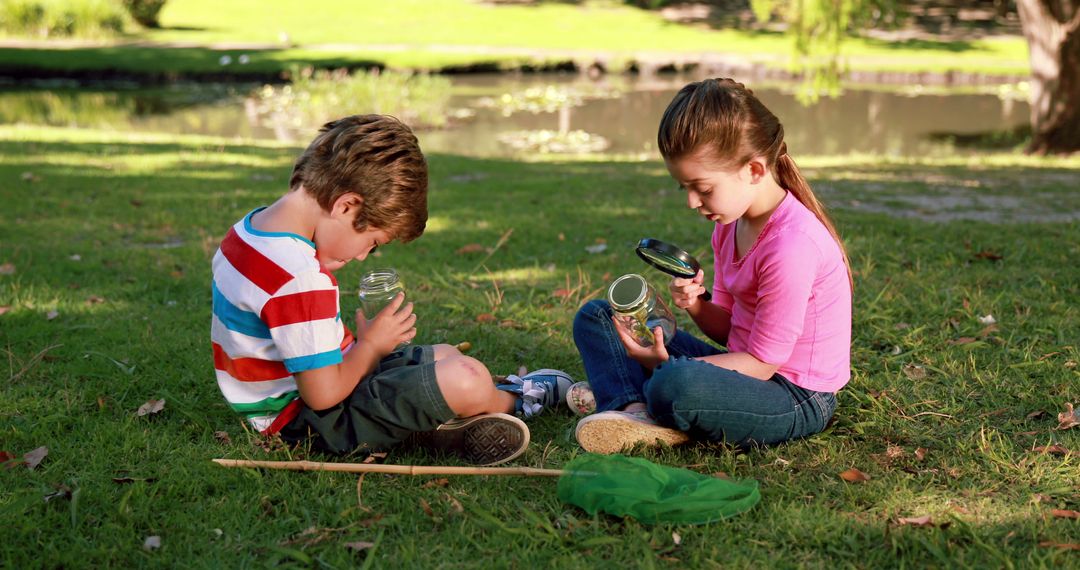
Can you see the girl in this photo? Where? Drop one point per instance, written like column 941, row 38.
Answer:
column 781, row 296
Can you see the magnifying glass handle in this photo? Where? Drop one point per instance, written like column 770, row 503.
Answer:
column 706, row 296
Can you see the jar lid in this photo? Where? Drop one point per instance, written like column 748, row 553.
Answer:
column 627, row 292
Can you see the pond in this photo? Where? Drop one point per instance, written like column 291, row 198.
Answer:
column 893, row 121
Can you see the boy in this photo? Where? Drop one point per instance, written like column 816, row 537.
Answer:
column 282, row 354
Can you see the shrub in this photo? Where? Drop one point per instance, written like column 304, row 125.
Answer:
column 314, row 97
column 61, row 18
column 145, row 12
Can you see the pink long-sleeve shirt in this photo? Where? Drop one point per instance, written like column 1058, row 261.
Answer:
column 789, row 297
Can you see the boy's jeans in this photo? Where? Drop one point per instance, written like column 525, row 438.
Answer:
column 694, row 396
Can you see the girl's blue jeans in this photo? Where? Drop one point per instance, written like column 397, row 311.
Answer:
column 707, row 401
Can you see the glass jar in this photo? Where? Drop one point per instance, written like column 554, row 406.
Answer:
column 377, row 288
column 639, row 310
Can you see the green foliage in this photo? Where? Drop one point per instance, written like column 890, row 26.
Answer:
column 145, row 12
column 61, row 18
column 316, row 96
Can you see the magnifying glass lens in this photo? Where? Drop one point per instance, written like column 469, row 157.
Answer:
column 671, row 265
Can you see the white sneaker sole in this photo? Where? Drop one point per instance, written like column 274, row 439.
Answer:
column 610, row 432
column 487, row 439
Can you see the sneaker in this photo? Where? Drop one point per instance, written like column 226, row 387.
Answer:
column 580, row 399
column 611, row 432
column 487, row 439
column 539, row 389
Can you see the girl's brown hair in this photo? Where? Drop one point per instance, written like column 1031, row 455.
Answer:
column 725, row 117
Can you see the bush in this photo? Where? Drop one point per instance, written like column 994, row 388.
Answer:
column 145, row 12
column 317, row 96
column 61, row 18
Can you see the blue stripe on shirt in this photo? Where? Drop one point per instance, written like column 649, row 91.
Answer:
column 313, row 361
column 236, row 319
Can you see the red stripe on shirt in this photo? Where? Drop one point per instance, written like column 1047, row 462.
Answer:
column 288, row 413
column 254, row 266
column 249, row 369
column 300, row 308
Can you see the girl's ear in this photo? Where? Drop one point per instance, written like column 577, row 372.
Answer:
column 348, row 204
column 758, row 169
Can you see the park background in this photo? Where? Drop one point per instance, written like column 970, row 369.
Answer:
column 128, row 148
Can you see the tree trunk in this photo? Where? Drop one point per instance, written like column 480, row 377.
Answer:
column 1052, row 29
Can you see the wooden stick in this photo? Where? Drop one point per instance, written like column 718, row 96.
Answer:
column 383, row 468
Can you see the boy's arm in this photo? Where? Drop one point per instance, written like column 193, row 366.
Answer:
column 325, row 387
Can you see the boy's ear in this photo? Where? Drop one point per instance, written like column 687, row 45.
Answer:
column 348, row 204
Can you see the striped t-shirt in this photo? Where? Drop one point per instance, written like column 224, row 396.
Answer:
column 275, row 313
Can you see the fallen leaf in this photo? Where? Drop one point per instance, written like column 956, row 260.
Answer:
column 987, row 320
column 471, row 248
column 920, row 453
column 374, row 457
column 1061, row 545
column 721, row 475
column 1069, row 418
column 961, row 340
column 136, row 203
column 151, row 407
column 7, row 269
column 676, row 538
column 1064, row 514
column 359, row 545
column 985, row 332
column 562, row 237
column 989, row 255
column 914, row 371
column 598, row 248
column 915, row 521
column 30, row 177
column 1036, row 415
column 152, row 543
column 463, row 346
column 1051, row 449
column 8, row 460
column 485, row 318
column 562, row 293
column 52, row 315
column 510, row 324
column 901, row 326
column 34, row 457
column 441, row 482
column 894, row 451
column 94, row 300
column 223, row 437
column 853, row 475
column 455, row 505
column 427, row 508
column 4, row 309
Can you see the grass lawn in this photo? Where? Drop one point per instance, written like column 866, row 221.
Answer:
column 417, row 34
column 105, row 245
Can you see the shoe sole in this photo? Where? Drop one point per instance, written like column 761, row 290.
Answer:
column 612, row 435
column 488, row 439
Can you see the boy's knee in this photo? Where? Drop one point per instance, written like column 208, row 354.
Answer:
column 462, row 374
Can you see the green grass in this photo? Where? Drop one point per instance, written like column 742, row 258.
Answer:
column 417, row 34
column 144, row 215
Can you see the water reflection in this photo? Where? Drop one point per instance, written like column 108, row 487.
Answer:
column 890, row 122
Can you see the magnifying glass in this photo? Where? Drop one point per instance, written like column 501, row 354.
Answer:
column 670, row 259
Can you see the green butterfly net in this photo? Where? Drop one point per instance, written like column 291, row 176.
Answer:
column 651, row 493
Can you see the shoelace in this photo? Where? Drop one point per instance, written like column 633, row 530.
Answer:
column 533, row 394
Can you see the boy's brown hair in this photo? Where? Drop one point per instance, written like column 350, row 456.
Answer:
column 376, row 157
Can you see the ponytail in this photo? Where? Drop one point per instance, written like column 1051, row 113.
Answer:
column 791, row 179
